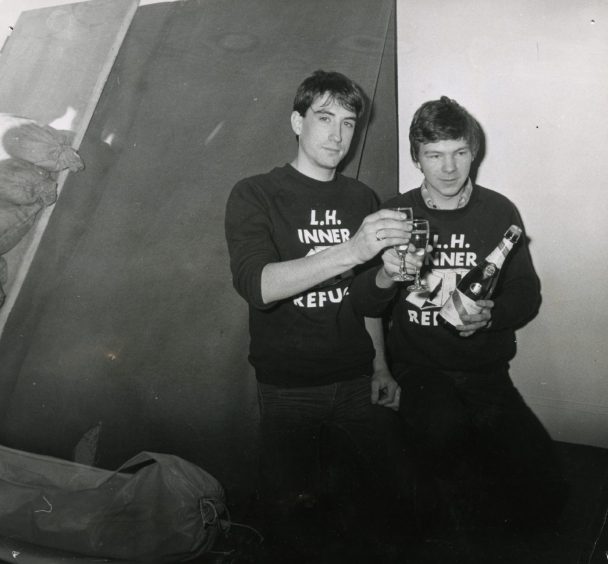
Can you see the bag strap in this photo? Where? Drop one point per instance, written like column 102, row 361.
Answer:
column 141, row 459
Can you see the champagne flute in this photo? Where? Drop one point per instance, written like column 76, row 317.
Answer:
column 401, row 250
column 420, row 239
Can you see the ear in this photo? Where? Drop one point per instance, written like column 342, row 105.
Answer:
column 296, row 122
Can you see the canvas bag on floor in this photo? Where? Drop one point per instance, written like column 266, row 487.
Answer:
column 154, row 508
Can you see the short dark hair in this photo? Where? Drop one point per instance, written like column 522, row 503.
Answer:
column 441, row 120
column 339, row 87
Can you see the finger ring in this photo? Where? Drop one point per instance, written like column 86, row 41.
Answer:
column 378, row 236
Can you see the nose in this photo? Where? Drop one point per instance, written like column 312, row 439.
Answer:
column 336, row 133
column 449, row 163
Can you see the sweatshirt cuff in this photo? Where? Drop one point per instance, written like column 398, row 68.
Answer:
column 254, row 294
column 375, row 293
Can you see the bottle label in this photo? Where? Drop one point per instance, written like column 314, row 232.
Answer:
column 457, row 305
column 498, row 255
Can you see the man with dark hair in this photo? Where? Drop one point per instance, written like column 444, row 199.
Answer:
column 295, row 236
column 491, row 457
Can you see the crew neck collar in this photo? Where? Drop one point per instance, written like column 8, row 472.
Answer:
column 292, row 170
column 463, row 200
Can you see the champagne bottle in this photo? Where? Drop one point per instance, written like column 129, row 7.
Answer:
column 479, row 282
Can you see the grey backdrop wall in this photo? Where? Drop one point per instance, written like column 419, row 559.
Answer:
column 127, row 322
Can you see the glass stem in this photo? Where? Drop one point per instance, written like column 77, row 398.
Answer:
column 402, row 267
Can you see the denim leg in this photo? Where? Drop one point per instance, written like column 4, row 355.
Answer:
column 291, row 422
column 328, row 444
column 519, row 454
column 435, row 419
column 293, row 426
column 379, row 464
column 362, row 425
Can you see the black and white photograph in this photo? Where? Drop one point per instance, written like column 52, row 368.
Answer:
column 303, row 281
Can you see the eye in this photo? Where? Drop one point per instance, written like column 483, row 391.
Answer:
column 349, row 124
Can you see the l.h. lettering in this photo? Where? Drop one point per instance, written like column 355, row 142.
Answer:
column 457, row 241
column 331, row 218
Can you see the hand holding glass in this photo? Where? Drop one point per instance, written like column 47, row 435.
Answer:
column 402, row 275
column 420, row 240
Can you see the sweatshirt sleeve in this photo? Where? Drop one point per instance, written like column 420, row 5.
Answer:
column 249, row 237
column 517, row 297
column 367, row 298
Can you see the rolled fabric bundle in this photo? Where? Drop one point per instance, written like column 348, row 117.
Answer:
column 42, row 145
column 15, row 221
column 22, row 182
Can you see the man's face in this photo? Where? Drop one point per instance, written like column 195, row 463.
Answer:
column 445, row 165
column 325, row 134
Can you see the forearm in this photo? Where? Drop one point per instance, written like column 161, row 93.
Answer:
column 375, row 329
column 281, row 280
column 384, row 389
column 516, row 304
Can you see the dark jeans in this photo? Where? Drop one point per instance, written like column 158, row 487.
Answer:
column 328, row 444
column 474, row 434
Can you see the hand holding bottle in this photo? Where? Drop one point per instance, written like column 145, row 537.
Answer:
column 477, row 286
column 473, row 322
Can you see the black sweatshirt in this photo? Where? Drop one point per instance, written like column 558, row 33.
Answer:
column 314, row 338
column 461, row 238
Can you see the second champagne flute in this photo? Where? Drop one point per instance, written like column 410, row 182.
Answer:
column 401, row 250
column 420, row 239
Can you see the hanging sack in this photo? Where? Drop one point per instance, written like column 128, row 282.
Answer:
column 15, row 221
column 154, row 508
column 22, row 182
column 26, row 139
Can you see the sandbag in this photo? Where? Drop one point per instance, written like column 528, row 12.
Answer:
column 15, row 221
column 26, row 139
column 31, row 156
column 155, row 508
column 22, row 182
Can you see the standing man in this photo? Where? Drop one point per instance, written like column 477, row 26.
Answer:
column 295, row 236
column 491, row 457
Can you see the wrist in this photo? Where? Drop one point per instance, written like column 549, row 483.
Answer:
column 383, row 279
column 380, row 364
column 350, row 255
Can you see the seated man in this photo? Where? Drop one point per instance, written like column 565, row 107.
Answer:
column 490, row 456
